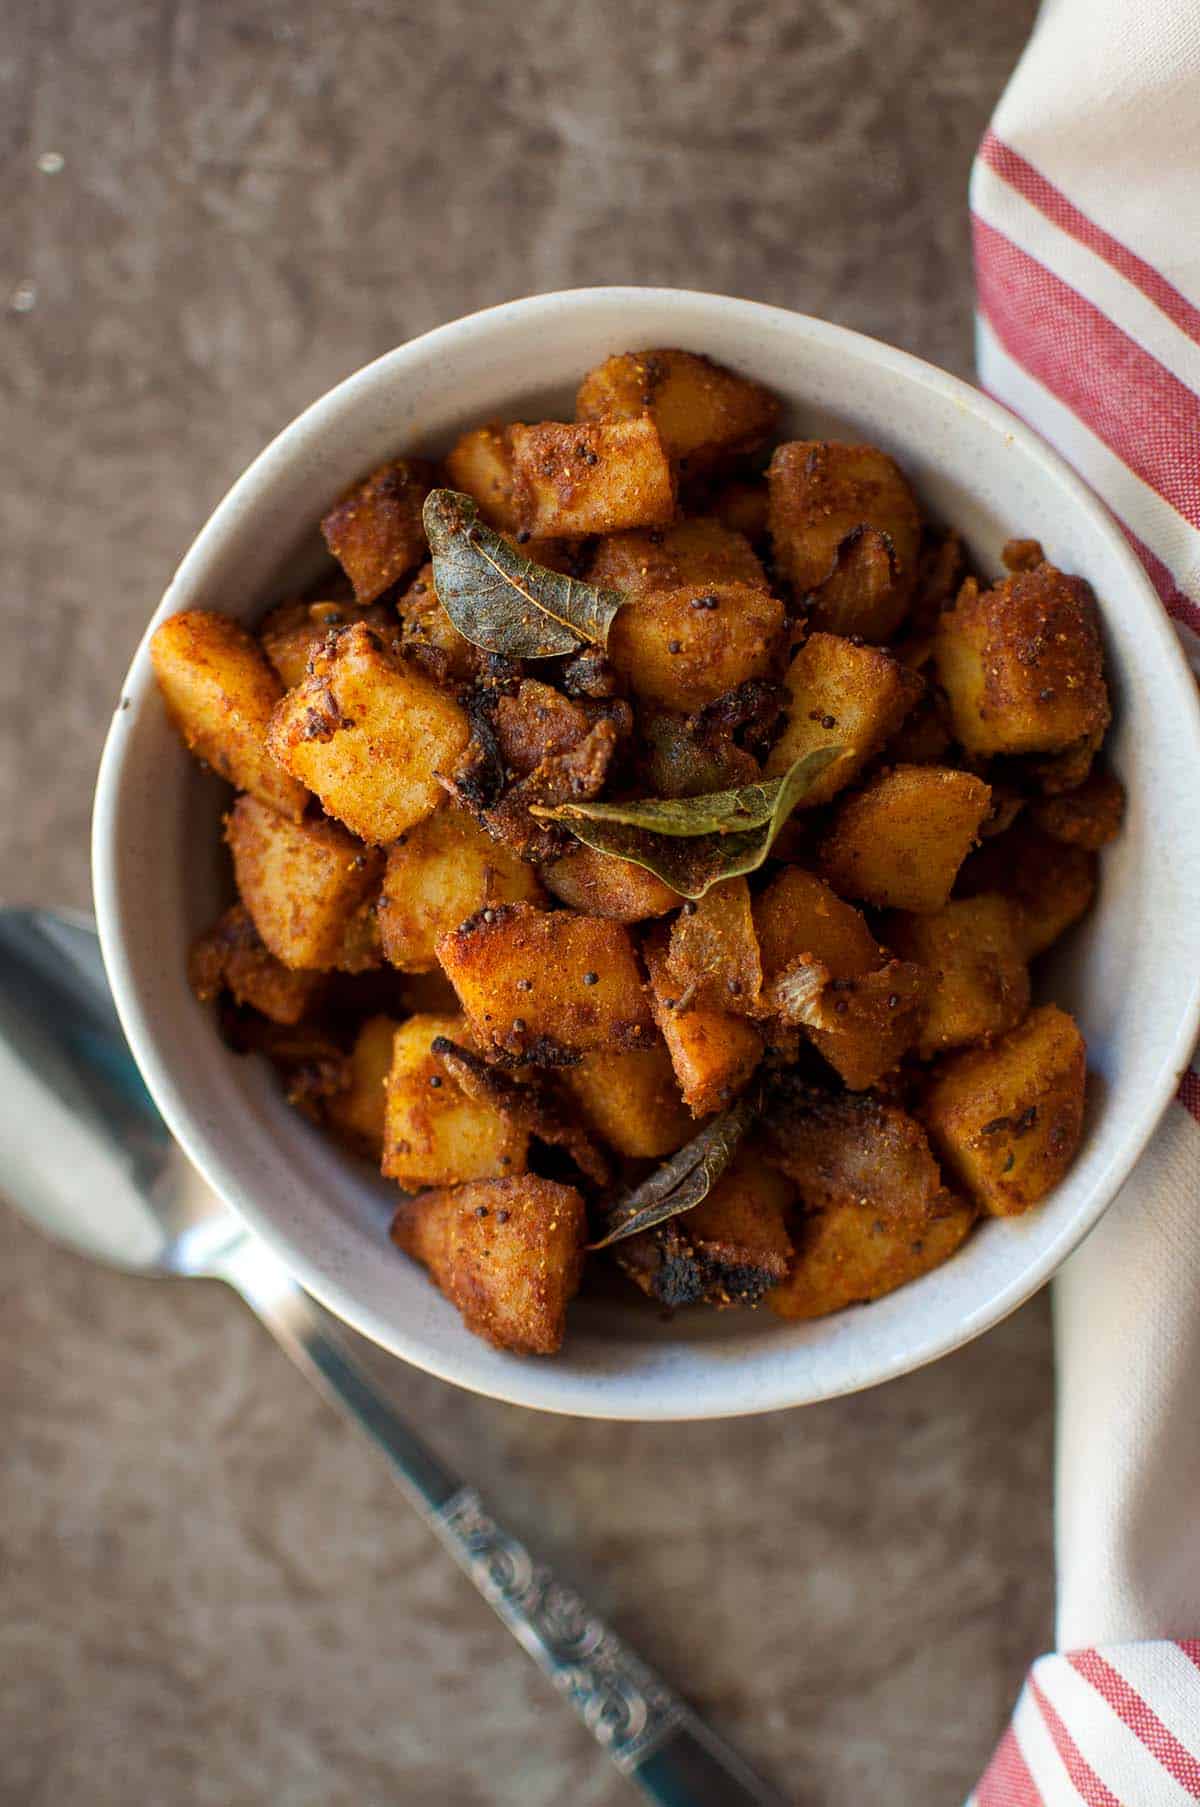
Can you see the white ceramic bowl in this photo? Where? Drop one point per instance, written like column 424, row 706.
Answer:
column 1131, row 974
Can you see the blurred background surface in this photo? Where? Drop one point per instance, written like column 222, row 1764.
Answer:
column 212, row 1591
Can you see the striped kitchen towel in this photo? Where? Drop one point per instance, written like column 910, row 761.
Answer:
column 1085, row 204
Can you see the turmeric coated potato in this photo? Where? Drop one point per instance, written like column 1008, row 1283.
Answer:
column 1050, row 883
column 480, row 465
column 841, row 695
column 702, row 411
column 713, row 1052
column 220, row 690
column 1089, row 817
column 849, row 1255
column 590, row 479
column 508, row 1253
column 683, row 648
column 439, row 873
column 300, row 881
column 900, row 840
column 840, row 1149
column 232, row 957
column 376, row 532
column 434, row 1135
column 690, row 555
column 600, row 884
column 293, row 631
column 357, row 1114
column 632, row 1100
column 972, row 948
column 1007, row 1119
column 428, row 635
column 370, row 735
column 712, row 954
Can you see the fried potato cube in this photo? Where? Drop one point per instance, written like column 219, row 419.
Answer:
column 712, row 952
column 232, row 956
column 1089, row 817
column 900, row 840
column 713, row 1052
column 840, row 694
column 728, row 1250
column 481, row 466
column 571, row 480
column 376, row 532
column 219, row 689
column 1007, row 1119
column 541, row 984
column 426, row 627
column 600, row 884
column 850, row 1254
column 631, row 1100
column 846, row 531
column 679, row 760
column 357, row 1114
column 972, row 948
column 434, row 1135
column 691, row 554
column 843, row 1148
column 1022, row 664
column 864, row 1025
column 369, row 734
column 508, row 1253
column 743, row 508
column 300, row 881
column 292, row 632
column 361, row 950
column 703, row 411
column 438, row 874
column 1050, row 883
column 682, row 648
column 537, row 722
column 798, row 917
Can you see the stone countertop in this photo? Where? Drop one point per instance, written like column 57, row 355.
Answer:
column 212, row 1591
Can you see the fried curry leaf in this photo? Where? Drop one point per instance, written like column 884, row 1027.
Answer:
column 693, row 842
column 502, row 601
column 685, row 1179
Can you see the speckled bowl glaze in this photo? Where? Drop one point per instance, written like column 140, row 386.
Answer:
column 1131, row 973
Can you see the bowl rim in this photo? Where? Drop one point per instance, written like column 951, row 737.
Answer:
column 536, row 1384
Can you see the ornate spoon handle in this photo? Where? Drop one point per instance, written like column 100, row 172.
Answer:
column 654, row 1739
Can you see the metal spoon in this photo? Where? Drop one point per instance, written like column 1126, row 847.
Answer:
column 87, row 1158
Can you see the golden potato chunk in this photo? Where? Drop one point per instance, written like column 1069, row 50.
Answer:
column 358, row 1114
column 1022, row 664
column 840, row 694
column 544, row 984
column 713, row 1052
column 631, row 1100
column 850, row 1254
column 219, row 689
column 508, row 1254
column 292, row 632
column 972, row 947
column 428, row 635
column 1050, row 883
column 900, row 841
column 728, row 1250
column 691, row 554
column 375, row 532
column 798, row 917
column 683, row 648
column 852, row 1149
column 702, row 410
column 1089, row 817
column 846, row 531
column 481, row 466
column 590, row 479
column 301, row 881
column 743, row 508
column 369, row 734
column 712, row 955
column 434, row 1134
column 1007, row 1119
column 600, row 884
column 232, row 956
column 438, row 874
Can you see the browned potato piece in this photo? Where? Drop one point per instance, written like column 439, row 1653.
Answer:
column 357, row 1114
column 742, row 507
column 590, row 479
column 900, row 841
column 693, row 554
column 291, row 633
column 1050, row 883
column 300, row 881
column 702, row 410
column 712, row 955
column 972, row 947
column 600, row 884
column 679, row 761
column 1007, row 1119
column 799, row 917
column 1089, row 817
column 231, row 956
column 438, row 874
column 846, row 529
column 849, row 1255
column 713, row 1052
column 369, row 734
column 508, row 1254
column 362, row 944
column 631, row 1100
column 729, row 1250
column 1022, row 664
column 864, row 1025
column 853, row 1149
column 434, row 1135
column 426, row 626
column 541, row 984
column 375, row 532
column 220, row 689
column 923, row 737
column 481, row 466
column 840, row 694
column 535, row 723
column 683, row 649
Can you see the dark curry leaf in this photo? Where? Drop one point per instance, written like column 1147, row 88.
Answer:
column 499, row 599
column 693, row 842
column 685, row 1179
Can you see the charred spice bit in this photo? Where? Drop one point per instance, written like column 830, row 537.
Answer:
column 519, row 1025
column 893, row 1001
column 481, row 1210
column 591, row 978
column 689, row 908
column 503, row 1216
column 435, row 1081
column 523, row 536
column 674, row 646
column 524, row 984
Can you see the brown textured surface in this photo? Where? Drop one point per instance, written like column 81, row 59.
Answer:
column 212, row 1593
